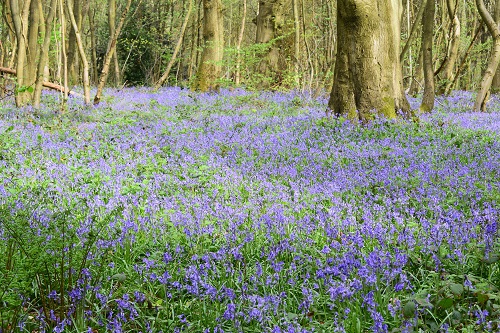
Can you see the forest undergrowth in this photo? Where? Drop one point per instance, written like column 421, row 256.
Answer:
column 247, row 212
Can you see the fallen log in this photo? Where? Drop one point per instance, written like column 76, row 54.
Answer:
column 46, row 84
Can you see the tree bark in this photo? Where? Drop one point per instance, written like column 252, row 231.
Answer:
column 371, row 30
column 237, row 74
column 480, row 104
column 296, row 41
column 109, row 54
column 269, row 22
column 176, row 49
column 112, row 28
column 83, row 57
column 44, row 54
column 210, row 68
column 454, row 45
column 72, row 48
column 495, row 84
column 20, row 20
column 427, row 34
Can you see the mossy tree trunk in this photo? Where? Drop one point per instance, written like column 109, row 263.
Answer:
column 368, row 65
column 210, row 66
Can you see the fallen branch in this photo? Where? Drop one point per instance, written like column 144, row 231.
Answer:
column 46, row 84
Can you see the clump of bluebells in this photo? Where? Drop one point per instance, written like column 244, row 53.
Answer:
column 242, row 212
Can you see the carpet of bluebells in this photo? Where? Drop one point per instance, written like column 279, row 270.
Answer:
column 240, row 211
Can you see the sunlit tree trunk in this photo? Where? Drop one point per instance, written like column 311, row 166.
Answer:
column 83, row 56
column 480, row 104
column 20, row 17
column 209, row 69
column 372, row 46
column 237, row 74
column 451, row 57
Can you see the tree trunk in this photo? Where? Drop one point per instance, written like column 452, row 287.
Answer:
column 20, row 19
column 269, row 22
column 176, row 49
column 237, row 74
column 83, row 57
column 454, row 45
column 210, row 67
column 109, row 54
column 112, row 28
column 371, row 30
column 427, row 34
column 73, row 52
column 480, row 104
column 93, row 43
column 495, row 84
column 296, row 41
column 418, row 76
column 44, row 55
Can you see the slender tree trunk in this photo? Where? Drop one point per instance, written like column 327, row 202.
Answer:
column 372, row 31
column 237, row 74
column 480, row 104
column 177, row 47
column 454, row 44
column 109, row 54
column 83, row 57
column 418, row 76
column 427, row 34
column 93, row 43
column 112, row 28
column 210, row 68
column 33, row 47
column 20, row 19
column 44, row 55
column 296, row 41
column 64, row 56
column 412, row 35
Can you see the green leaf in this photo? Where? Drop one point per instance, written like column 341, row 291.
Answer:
column 120, row 277
column 423, row 301
column 409, row 309
column 482, row 298
column 445, row 303
column 491, row 258
column 456, row 289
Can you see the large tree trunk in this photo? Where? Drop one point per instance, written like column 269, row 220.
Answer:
column 427, row 34
column 269, row 22
column 480, row 104
column 210, row 66
column 371, row 29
